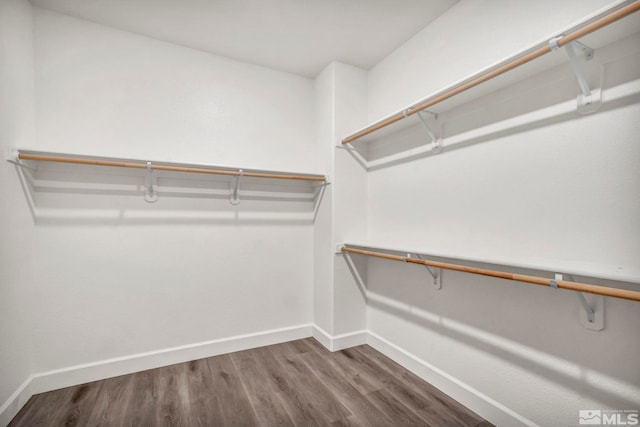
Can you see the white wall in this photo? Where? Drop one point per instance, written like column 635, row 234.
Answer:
column 339, row 302
column 104, row 90
column 324, row 94
column 97, row 273
column 350, row 193
column 548, row 189
column 117, row 276
column 470, row 36
column 16, row 230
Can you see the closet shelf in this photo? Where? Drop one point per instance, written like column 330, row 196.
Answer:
column 583, row 28
column 175, row 167
column 613, row 273
column 282, row 185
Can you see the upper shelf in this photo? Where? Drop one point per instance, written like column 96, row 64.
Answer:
column 586, row 269
column 75, row 174
column 440, row 99
column 165, row 166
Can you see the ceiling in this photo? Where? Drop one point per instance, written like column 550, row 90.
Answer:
column 297, row 36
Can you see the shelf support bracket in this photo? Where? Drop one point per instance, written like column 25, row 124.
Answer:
column 591, row 317
column 150, row 195
column 587, row 102
column 577, row 70
column 236, row 187
column 586, row 306
column 436, row 143
column 436, row 274
column 586, row 50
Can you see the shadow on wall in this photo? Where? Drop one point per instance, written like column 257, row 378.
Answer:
column 69, row 194
column 541, row 100
column 532, row 327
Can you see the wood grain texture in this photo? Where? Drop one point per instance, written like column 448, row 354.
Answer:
column 265, row 403
column 110, row 405
column 299, row 383
column 235, row 407
column 206, row 408
column 428, row 402
column 330, row 374
column 144, row 398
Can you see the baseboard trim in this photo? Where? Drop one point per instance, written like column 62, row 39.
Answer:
column 79, row 374
column 16, row 401
column 473, row 399
column 340, row 342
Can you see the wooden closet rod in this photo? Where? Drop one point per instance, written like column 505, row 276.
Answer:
column 536, row 280
column 124, row 164
column 566, row 39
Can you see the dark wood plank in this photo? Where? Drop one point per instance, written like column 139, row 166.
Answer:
column 299, row 383
column 425, row 403
column 277, row 377
column 45, row 409
column 394, row 409
column 144, row 399
column 362, row 409
column 173, row 396
column 206, row 409
column 236, row 409
column 313, row 344
column 301, row 346
column 303, row 379
column 363, row 381
column 351, row 421
column 111, row 404
column 26, row 412
column 439, row 406
column 77, row 410
column 268, row 407
column 300, row 410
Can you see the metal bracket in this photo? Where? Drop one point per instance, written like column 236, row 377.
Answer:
column 324, row 184
column 234, row 196
column 577, row 70
column 436, row 274
column 592, row 316
column 587, row 51
column 436, row 143
column 587, row 307
column 11, row 154
column 150, row 195
column 589, row 101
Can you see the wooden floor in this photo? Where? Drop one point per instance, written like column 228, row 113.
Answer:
column 298, row 383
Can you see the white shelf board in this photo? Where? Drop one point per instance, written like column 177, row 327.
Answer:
column 13, row 152
column 587, row 269
column 602, row 37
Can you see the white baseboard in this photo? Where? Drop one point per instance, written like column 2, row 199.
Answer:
column 51, row 380
column 473, row 399
column 16, row 401
column 339, row 342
